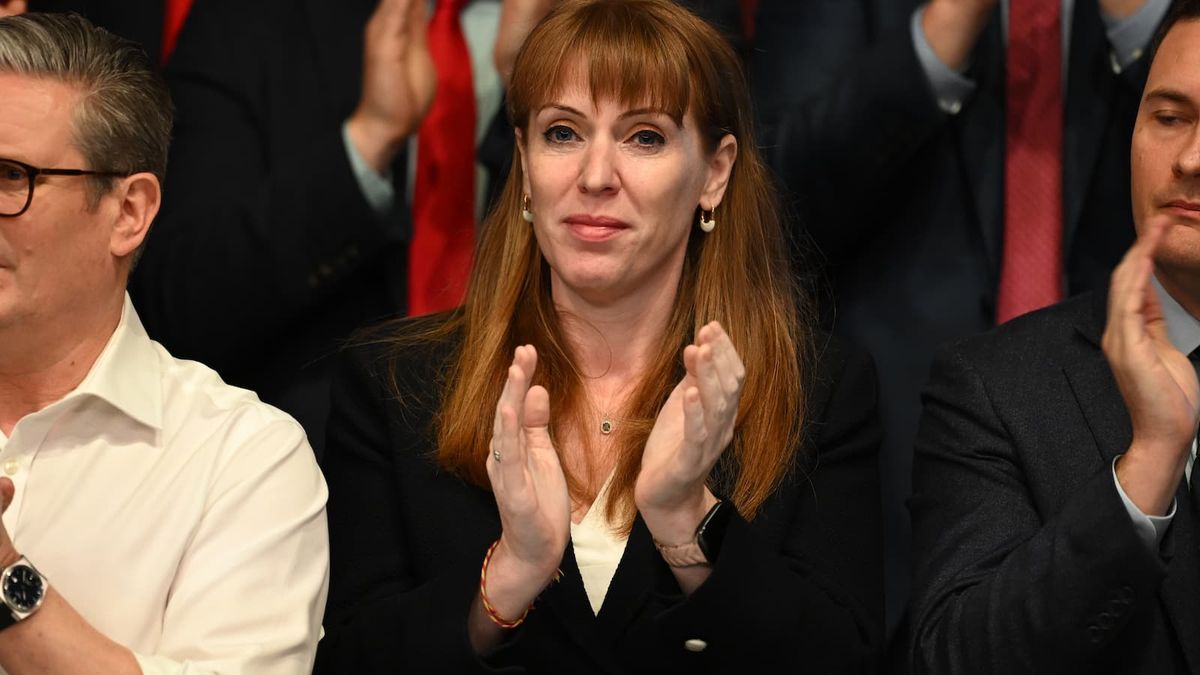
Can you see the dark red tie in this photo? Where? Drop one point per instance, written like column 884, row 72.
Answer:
column 174, row 12
column 439, row 257
column 1031, row 272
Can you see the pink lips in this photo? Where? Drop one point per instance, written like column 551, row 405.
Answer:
column 594, row 228
column 1185, row 205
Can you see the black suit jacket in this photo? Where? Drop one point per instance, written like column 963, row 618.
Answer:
column 266, row 253
column 1026, row 558
column 798, row 589
column 906, row 202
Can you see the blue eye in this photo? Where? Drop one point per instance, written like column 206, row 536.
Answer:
column 12, row 174
column 559, row 134
column 648, row 138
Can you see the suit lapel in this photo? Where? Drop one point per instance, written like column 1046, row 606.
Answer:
column 568, row 599
column 632, row 584
column 1090, row 86
column 980, row 131
column 1104, row 411
column 1181, row 589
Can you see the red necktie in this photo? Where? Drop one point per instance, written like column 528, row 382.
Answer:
column 174, row 12
column 439, row 257
column 1031, row 274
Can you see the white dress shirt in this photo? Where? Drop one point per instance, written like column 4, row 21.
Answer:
column 181, row 517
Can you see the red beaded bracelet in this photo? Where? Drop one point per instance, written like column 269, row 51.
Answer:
column 487, row 606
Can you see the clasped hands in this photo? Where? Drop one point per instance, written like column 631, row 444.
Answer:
column 692, row 430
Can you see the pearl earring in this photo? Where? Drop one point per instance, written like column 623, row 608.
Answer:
column 526, row 209
column 707, row 222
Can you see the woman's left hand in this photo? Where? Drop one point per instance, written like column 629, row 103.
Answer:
column 692, row 430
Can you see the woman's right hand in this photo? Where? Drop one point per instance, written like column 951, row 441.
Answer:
column 530, row 489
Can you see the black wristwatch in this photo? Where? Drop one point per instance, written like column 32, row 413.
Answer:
column 711, row 533
column 22, row 590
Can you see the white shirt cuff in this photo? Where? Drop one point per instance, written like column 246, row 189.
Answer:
column 377, row 189
column 950, row 87
column 1150, row 528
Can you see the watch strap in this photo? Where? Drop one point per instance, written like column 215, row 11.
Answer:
column 692, row 553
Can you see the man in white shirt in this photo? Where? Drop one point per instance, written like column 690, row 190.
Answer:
column 155, row 519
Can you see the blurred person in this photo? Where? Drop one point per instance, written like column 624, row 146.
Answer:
column 897, row 141
column 1054, row 505
column 632, row 400
column 155, row 519
column 289, row 216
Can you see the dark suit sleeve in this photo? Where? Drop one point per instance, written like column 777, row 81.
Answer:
column 378, row 619
column 1000, row 588
column 814, row 596
column 852, row 136
column 251, row 235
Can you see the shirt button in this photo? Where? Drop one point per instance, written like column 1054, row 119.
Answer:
column 11, row 467
column 695, row 645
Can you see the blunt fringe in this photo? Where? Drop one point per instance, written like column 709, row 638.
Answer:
column 655, row 53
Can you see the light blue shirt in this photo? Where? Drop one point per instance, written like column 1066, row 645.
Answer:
column 1128, row 38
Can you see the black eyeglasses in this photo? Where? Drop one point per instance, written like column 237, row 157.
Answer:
column 18, row 178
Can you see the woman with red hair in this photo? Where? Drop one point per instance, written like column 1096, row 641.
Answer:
column 629, row 450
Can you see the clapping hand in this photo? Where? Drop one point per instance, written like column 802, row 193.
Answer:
column 526, row 477
column 1156, row 380
column 694, row 427
column 398, row 83
column 12, row 7
column 8, row 553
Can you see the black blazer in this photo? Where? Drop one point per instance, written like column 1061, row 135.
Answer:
column 1026, row 558
column 796, row 590
column 266, row 254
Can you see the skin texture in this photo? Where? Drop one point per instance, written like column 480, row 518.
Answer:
column 1157, row 382
column 614, row 192
column 63, row 268
column 13, row 7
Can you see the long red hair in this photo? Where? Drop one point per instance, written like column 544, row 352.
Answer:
column 638, row 52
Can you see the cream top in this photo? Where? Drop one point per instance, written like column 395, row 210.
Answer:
column 598, row 549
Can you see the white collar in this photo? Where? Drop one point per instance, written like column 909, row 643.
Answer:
column 128, row 373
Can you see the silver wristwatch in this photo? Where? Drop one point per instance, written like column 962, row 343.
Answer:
column 22, row 590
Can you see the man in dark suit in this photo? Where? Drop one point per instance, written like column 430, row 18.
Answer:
column 1054, row 530
column 901, row 184
column 286, row 219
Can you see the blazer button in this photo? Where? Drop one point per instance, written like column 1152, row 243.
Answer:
column 695, row 645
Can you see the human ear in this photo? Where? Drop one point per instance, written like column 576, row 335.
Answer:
column 720, row 168
column 139, row 197
column 524, row 164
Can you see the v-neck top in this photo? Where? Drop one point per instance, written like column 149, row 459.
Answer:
column 599, row 546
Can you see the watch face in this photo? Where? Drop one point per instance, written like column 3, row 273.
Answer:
column 23, row 588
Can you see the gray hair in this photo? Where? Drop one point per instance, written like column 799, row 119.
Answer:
column 123, row 121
